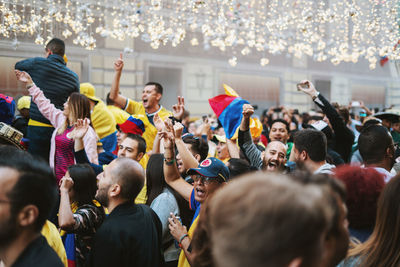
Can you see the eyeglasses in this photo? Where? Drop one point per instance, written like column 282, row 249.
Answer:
column 205, row 180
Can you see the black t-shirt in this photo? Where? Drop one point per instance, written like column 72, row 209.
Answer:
column 130, row 236
column 38, row 253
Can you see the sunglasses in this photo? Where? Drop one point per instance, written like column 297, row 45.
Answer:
column 205, row 180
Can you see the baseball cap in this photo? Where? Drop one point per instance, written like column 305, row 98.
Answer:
column 88, row 90
column 132, row 125
column 211, row 167
column 24, row 102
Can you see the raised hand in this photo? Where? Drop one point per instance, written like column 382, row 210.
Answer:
column 158, row 123
column 307, row 87
column 179, row 108
column 119, row 64
column 80, row 129
column 24, row 77
column 248, row 110
column 206, row 127
column 168, row 139
column 178, row 129
column 168, row 126
column 66, row 183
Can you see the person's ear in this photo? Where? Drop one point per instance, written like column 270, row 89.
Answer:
column 303, row 155
column 158, row 97
column 139, row 156
column 197, row 157
column 390, row 152
column 28, row 215
column 48, row 52
column 115, row 190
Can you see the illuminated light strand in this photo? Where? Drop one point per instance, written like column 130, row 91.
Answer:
column 342, row 31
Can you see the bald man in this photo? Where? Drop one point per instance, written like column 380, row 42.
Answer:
column 274, row 157
column 118, row 245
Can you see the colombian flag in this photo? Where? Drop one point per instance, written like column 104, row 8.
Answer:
column 70, row 248
column 69, row 241
column 228, row 108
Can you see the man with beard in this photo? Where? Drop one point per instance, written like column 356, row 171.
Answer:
column 377, row 149
column 131, row 234
column 309, row 151
column 26, row 190
column 275, row 152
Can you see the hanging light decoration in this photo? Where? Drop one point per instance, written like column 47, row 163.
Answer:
column 342, row 31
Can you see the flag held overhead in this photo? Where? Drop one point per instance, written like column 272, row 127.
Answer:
column 228, row 109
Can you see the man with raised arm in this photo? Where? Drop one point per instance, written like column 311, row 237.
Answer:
column 275, row 153
column 343, row 137
column 210, row 175
column 149, row 106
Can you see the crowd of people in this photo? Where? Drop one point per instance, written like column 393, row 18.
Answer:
column 124, row 183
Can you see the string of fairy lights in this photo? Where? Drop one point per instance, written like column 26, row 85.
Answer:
column 324, row 30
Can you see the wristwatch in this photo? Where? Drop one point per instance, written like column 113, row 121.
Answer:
column 315, row 96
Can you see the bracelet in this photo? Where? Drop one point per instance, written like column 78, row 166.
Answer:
column 169, row 162
column 181, row 239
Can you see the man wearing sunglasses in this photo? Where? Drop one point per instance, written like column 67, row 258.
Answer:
column 210, row 175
